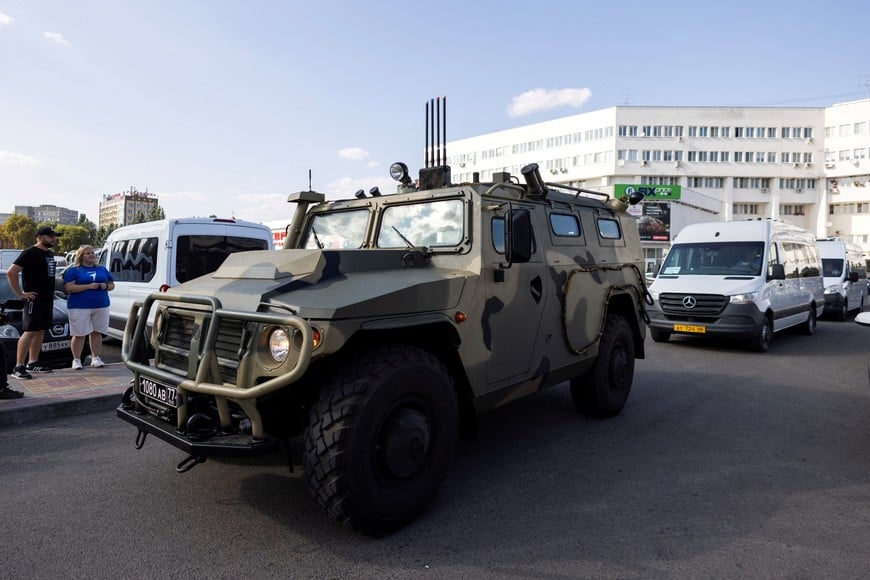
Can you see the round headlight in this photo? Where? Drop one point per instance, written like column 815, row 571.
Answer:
column 399, row 171
column 279, row 344
column 8, row 331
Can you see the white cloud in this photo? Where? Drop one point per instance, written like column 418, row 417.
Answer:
column 353, row 153
column 5, row 19
column 56, row 37
column 544, row 99
column 10, row 158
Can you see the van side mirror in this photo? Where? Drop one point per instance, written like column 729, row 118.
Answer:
column 777, row 272
column 518, row 236
column 853, row 276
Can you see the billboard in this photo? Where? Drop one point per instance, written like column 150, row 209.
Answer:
column 654, row 225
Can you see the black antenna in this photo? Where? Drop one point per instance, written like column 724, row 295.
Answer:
column 438, row 131
column 309, row 180
column 426, row 148
column 444, row 126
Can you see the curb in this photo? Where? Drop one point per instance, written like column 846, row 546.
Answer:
column 58, row 408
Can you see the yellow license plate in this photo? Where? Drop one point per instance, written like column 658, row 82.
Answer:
column 690, row 328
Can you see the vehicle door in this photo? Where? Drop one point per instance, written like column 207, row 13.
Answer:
column 515, row 301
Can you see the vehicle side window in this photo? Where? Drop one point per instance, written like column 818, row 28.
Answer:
column 497, row 228
column 565, row 225
column 133, row 260
column 200, row 255
column 608, row 229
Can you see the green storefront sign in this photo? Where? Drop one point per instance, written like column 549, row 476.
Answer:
column 650, row 192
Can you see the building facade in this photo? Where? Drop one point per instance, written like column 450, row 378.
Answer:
column 122, row 209
column 51, row 214
column 729, row 163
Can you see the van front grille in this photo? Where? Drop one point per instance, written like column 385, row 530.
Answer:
column 693, row 304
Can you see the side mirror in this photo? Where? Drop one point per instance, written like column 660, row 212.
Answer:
column 777, row 272
column 518, row 236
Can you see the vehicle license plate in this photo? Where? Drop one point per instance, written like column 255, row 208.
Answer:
column 690, row 328
column 159, row 392
column 59, row 345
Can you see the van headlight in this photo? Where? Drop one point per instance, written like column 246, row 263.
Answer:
column 279, row 344
column 747, row 298
column 834, row 289
column 654, row 294
column 9, row 331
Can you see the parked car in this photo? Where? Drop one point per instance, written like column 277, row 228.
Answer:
column 55, row 345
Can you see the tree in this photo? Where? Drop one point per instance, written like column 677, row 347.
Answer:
column 71, row 237
column 19, row 231
column 156, row 213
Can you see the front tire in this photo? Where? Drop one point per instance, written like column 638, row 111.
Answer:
column 603, row 390
column 659, row 335
column 381, row 437
column 809, row 327
column 764, row 336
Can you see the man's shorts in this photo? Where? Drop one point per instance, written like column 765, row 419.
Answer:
column 38, row 315
column 83, row 321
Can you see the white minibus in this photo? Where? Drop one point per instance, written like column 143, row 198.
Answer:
column 153, row 256
column 845, row 274
column 743, row 280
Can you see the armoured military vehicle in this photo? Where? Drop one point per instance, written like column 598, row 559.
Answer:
column 386, row 324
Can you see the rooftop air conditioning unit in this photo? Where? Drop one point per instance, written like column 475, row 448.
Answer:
column 857, row 163
column 797, row 164
column 765, row 190
column 808, row 164
column 798, row 190
column 680, row 138
column 677, row 163
column 829, row 165
column 644, row 163
column 810, row 140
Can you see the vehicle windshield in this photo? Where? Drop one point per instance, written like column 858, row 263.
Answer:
column 5, row 290
column 338, row 230
column 430, row 225
column 832, row 267
column 714, row 259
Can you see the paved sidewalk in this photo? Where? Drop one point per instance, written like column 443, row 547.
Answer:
column 64, row 393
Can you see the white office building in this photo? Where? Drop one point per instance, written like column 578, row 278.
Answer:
column 730, row 163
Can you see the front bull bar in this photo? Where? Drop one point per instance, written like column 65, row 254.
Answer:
column 207, row 364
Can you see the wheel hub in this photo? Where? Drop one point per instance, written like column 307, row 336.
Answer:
column 404, row 442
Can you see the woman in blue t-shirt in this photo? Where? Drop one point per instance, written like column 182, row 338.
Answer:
column 88, row 285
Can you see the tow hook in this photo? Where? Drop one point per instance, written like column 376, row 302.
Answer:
column 140, row 439
column 189, row 463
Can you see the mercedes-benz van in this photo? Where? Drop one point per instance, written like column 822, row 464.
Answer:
column 845, row 275
column 151, row 256
column 743, row 280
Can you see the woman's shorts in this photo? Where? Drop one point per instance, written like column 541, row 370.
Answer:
column 83, row 321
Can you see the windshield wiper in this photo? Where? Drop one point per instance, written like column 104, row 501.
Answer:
column 406, row 240
column 316, row 238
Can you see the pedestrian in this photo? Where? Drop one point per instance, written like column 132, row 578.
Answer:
column 5, row 391
column 36, row 266
column 88, row 285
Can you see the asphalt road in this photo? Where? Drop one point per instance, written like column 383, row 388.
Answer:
column 724, row 464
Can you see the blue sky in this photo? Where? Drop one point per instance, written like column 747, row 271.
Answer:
column 222, row 107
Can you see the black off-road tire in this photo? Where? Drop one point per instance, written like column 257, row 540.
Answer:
column 381, row 437
column 659, row 335
column 603, row 390
column 763, row 337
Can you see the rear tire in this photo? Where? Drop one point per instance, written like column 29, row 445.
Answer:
column 381, row 437
column 603, row 390
column 844, row 311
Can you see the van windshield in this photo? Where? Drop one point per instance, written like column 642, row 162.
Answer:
column 832, row 267
column 714, row 259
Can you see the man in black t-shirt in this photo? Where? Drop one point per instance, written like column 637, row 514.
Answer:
column 36, row 266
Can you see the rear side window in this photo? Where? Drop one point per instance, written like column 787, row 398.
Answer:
column 608, row 229
column 133, row 260
column 200, row 255
column 565, row 225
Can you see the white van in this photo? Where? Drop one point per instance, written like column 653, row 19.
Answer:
column 743, row 280
column 147, row 257
column 845, row 274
